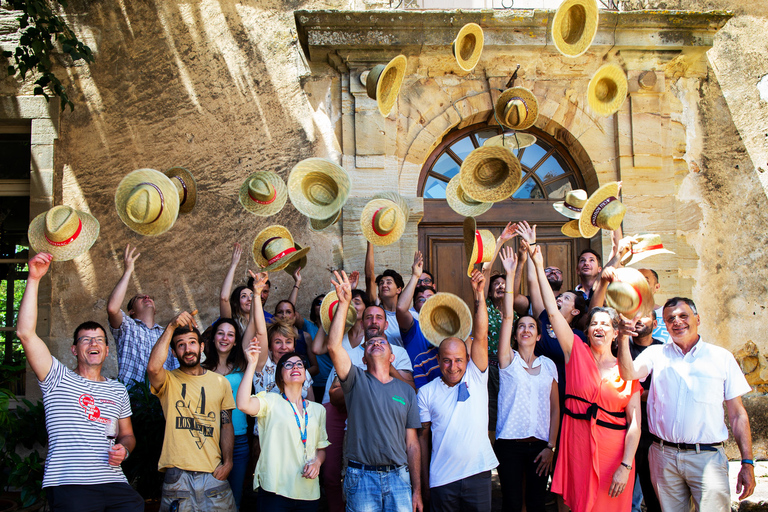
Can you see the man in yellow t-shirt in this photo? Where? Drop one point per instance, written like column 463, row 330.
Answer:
column 199, row 437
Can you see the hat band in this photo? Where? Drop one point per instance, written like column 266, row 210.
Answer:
column 280, row 255
column 639, row 302
column 600, row 208
column 526, row 107
column 479, row 242
column 184, row 188
column 571, row 207
column 68, row 240
column 373, row 223
column 332, row 309
column 162, row 199
column 274, row 196
column 649, row 248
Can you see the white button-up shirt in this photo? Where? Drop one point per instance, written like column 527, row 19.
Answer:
column 685, row 402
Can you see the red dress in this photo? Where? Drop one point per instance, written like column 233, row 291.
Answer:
column 591, row 453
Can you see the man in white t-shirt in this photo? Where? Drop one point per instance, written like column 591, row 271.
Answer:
column 454, row 412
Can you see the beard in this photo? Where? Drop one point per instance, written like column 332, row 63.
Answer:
column 183, row 360
column 643, row 332
column 555, row 284
column 373, row 332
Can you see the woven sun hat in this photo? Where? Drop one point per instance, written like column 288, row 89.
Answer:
column 321, row 224
column 63, row 232
column 517, row 108
column 396, row 198
column 300, row 263
column 328, row 309
column 607, row 90
column 490, row 174
column 461, row 203
column 573, row 203
column 630, row 293
column 647, row 245
column 186, row 186
column 318, row 188
column 479, row 244
column 468, row 46
column 274, row 249
column 574, row 26
column 384, row 81
column 382, row 221
column 512, row 140
column 263, row 193
column 603, row 210
column 147, row 202
column 445, row 315
column 571, row 229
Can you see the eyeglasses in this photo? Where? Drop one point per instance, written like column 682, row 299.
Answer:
column 425, row 280
column 99, row 340
column 553, row 270
column 290, row 365
column 376, row 341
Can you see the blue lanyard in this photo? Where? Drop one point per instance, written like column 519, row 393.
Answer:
column 298, row 422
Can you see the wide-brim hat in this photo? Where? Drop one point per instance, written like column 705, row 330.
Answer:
column 396, row 198
column 461, row 203
column 186, row 186
column 624, row 298
column 147, row 202
column 468, row 46
column 318, row 188
column 490, row 174
column 384, row 81
column 274, row 249
column 572, row 205
column 479, row 244
column 321, row 224
column 445, row 315
column 603, row 210
column 574, row 26
column 571, row 229
column 382, row 221
column 328, row 309
column 299, row 263
column 517, row 108
column 63, row 232
column 607, row 90
column 512, row 141
column 647, row 245
column 263, row 193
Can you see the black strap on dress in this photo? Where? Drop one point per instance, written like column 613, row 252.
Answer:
column 592, row 413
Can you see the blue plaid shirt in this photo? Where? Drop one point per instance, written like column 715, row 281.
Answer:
column 134, row 341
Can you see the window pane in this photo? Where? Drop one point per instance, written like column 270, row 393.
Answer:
column 434, row 188
column 529, row 190
column 446, row 166
column 463, row 147
column 14, row 221
column 558, row 189
column 551, row 168
column 15, row 148
column 532, row 154
column 484, row 135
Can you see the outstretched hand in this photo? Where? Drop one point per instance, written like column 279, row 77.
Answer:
column 527, row 232
column 608, row 275
column 509, row 232
column 508, row 260
column 184, row 319
column 237, row 251
column 354, row 278
column 535, row 253
column 627, row 326
column 259, row 281
column 418, row 265
column 252, row 351
column 297, row 276
column 478, row 282
column 38, row 266
column 342, row 286
column 129, row 258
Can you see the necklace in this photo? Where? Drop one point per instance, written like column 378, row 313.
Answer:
column 303, row 433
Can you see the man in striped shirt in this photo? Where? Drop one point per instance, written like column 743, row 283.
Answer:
column 82, row 409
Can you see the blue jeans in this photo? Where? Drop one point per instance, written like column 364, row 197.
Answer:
column 240, row 463
column 195, row 490
column 378, row 491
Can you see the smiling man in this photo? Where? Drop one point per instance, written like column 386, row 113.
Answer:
column 588, row 268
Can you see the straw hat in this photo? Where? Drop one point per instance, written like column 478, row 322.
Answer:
column 490, row 174
column 647, row 245
column 603, row 210
column 479, row 244
column 382, row 221
column 571, row 229
column 63, row 232
column 461, row 203
column 384, row 81
column 328, row 309
column 573, row 203
column 263, row 193
column 574, row 26
column 301, row 262
column 624, row 298
column 469, row 43
column 274, row 249
column 607, row 90
column 517, row 108
column 321, row 224
column 147, row 202
column 445, row 315
column 396, row 198
column 512, row 141
column 186, row 186
column 318, row 188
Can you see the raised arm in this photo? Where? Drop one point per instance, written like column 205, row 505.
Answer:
column 318, row 344
column 370, row 276
column 628, row 369
column 403, row 313
column 257, row 326
column 507, row 234
column 159, row 353
column 509, row 260
column 737, row 415
column 527, row 233
column 479, row 348
column 563, row 331
column 339, row 356
column 117, row 296
column 35, row 349
column 521, row 301
column 225, row 308
column 294, row 296
column 245, row 402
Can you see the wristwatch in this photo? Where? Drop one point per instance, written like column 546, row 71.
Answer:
column 628, row 466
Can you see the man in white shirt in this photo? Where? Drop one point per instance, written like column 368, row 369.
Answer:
column 691, row 379
column 454, row 415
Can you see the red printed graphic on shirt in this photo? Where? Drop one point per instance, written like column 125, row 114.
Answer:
column 91, row 411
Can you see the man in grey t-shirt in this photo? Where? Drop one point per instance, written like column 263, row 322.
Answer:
column 382, row 422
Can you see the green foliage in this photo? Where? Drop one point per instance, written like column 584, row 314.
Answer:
column 24, row 427
column 41, row 30
column 149, row 428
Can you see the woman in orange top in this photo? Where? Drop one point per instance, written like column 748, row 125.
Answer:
column 601, row 427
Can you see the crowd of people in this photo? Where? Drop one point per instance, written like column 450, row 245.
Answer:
column 396, row 397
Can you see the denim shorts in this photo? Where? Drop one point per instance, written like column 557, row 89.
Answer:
column 385, row 491
column 195, row 490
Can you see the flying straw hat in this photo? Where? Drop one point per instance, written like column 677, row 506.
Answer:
column 630, row 293
column 186, row 186
column 318, row 188
column 517, row 108
column 574, row 26
column 468, row 46
column 384, row 81
column 445, row 315
column 573, row 203
column 512, row 141
column 382, row 221
column 300, row 263
column 571, row 229
column 647, row 245
column 263, row 193
column 274, row 249
column 63, row 232
column 328, row 309
column 147, row 202
column 603, row 210
column 321, row 224
column 490, row 174
column 396, row 198
column 479, row 244
column 607, row 90
column 461, row 203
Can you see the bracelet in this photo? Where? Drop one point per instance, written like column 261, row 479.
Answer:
column 628, row 466
column 748, row 461
column 551, row 446
column 512, row 292
column 127, row 453
column 295, row 286
column 531, row 244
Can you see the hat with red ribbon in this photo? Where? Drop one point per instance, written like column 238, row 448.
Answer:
column 383, row 219
column 479, row 244
column 328, row 309
column 63, row 232
column 263, row 193
column 274, row 249
column 646, row 245
column 147, row 201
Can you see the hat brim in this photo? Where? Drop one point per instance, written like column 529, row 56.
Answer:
column 618, row 80
column 321, row 224
column 498, row 190
column 388, row 84
column 271, row 232
column 512, row 141
column 571, row 229
column 89, row 232
column 460, row 202
column 170, row 197
column 586, row 228
column 527, row 97
column 468, row 63
column 623, row 298
column 314, row 169
column 300, row 263
column 563, row 43
column 366, row 222
column 325, row 318
column 189, row 184
column 632, row 259
column 440, row 304
column 471, row 252
column 566, row 212
column 396, row 198
column 264, row 210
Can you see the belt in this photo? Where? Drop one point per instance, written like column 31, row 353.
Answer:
column 707, row 447
column 366, row 467
column 592, row 413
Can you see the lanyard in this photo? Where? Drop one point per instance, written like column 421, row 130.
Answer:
column 303, row 434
